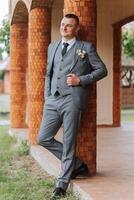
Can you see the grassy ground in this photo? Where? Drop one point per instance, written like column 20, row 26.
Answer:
column 4, row 106
column 20, row 176
column 127, row 115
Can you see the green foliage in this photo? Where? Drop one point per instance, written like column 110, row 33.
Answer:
column 127, row 115
column 1, row 51
column 2, row 75
column 128, row 44
column 7, row 151
column 19, row 178
column 4, row 37
column 23, row 148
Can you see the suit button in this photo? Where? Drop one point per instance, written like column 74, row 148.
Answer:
column 58, row 77
column 57, row 87
column 60, row 69
column 62, row 59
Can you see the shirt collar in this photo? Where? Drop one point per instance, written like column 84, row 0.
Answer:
column 70, row 42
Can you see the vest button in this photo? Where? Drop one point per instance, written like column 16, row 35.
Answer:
column 62, row 59
column 60, row 69
column 58, row 77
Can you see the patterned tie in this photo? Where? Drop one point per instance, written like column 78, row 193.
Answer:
column 64, row 50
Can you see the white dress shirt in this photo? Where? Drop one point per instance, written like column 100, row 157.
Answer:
column 70, row 42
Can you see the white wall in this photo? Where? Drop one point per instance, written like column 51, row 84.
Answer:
column 57, row 14
column 109, row 12
column 12, row 5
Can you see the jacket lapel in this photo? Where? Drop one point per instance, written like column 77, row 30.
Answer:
column 53, row 51
column 79, row 45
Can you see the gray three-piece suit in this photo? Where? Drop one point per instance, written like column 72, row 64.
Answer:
column 63, row 104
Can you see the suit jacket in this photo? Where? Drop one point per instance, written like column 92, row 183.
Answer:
column 86, row 64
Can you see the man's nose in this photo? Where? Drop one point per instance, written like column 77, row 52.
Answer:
column 64, row 27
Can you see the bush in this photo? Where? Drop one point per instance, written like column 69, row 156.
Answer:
column 23, row 148
column 128, row 44
column 2, row 73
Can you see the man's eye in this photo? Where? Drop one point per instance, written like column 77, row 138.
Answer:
column 70, row 26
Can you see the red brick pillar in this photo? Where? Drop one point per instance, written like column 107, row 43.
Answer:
column 86, row 144
column 18, row 65
column 116, row 75
column 39, row 38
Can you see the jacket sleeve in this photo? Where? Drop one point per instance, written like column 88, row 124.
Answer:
column 99, row 70
column 48, row 76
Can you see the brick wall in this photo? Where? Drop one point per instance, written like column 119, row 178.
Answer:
column 1, row 86
column 116, row 75
column 127, row 97
column 117, row 69
column 39, row 39
column 18, row 65
column 86, row 143
column 7, row 82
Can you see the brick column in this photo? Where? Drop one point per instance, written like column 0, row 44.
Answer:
column 116, row 75
column 18, row 65
column 86, row 144
column 39, row 38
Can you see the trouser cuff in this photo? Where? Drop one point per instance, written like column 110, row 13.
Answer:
column 62, row 185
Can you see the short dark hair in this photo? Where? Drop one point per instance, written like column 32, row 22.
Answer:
column 70, row 15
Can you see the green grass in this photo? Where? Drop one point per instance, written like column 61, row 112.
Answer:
column 4, row 116
column 20, row 176
column 127, row 115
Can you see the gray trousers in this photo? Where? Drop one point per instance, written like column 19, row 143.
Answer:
column 58, row 110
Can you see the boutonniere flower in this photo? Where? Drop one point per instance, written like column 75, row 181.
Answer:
column 81, row 53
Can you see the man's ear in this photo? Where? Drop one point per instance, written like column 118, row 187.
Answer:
column 77, row 29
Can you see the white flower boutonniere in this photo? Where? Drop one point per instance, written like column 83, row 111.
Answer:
column 81, row 53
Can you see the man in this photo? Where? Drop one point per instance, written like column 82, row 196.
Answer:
column 72, row 66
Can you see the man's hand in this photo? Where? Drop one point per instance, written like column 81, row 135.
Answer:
column 73, row 80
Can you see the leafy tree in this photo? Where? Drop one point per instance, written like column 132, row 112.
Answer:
column 4, row 37
column 128, row 44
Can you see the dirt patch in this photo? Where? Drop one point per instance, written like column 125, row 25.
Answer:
column 27, row 163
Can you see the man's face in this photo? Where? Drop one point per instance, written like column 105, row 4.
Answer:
column 68, row 28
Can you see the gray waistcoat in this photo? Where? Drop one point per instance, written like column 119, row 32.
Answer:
column 61, row 68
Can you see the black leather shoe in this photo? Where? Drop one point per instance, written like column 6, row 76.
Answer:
column 57, row 193
column 81, row 171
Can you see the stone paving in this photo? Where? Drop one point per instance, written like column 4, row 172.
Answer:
column 115, row 173
column 115, row 160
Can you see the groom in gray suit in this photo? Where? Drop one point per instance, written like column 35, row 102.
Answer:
column 72, row 66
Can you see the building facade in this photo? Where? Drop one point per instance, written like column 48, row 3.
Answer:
column 34, row 24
